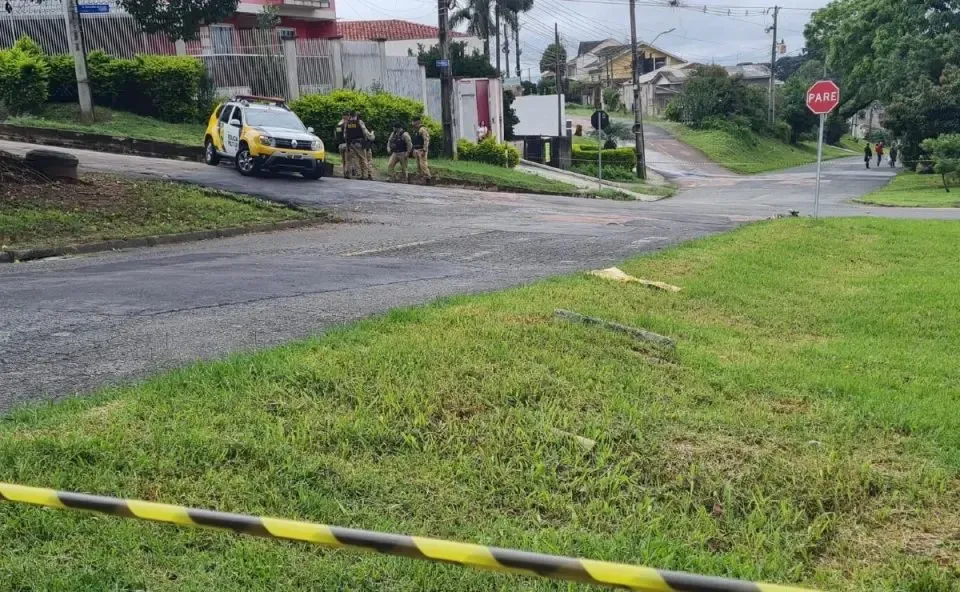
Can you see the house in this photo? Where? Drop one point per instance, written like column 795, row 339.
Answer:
column 402, row 38
column 615, row 63
column 578, row 68
column 659, row 87
column 309, row 19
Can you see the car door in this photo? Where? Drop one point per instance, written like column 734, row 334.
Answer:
column 232, row 131
column 221, row 135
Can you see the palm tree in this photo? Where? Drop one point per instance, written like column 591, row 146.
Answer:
column 476, row 14
column 511, row 13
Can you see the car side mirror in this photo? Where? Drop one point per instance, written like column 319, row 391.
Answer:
column 236, row 123
column 309, row 130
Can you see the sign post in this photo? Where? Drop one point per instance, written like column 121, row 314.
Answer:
column 822, row 98
column 600, row 121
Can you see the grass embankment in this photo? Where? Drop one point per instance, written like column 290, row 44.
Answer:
column 104, row 208
column 806, row 430
column 113, row 123
column 910, row 190
column 761, row 155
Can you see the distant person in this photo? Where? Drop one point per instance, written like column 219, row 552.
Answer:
column 421, row 148
column 894, row 153
column 341, row 142
column 878, row 149
column 482, row 131
column 867, row 154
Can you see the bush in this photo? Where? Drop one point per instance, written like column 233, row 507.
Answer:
column 611, row 173
column 619, row 157
column 173, row 85
column 378, row 111
column 944, row 150
column 62, row 87
column 783, row 131
column 488, row 151
column 710, row 93
column 24, row 80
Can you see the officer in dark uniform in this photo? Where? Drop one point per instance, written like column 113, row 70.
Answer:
column 399, row 146
column 341, row 143
column 421, row 148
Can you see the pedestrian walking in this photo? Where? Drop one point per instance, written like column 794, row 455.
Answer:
column 341, row 142
column 355, row 133
column 399, row 146
column 879, row 152
column 368, row 153
column 421, row 148
column 867, row 154
column 894, row 153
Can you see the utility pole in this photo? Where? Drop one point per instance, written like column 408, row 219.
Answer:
column 446, row 81
column 637, row 106
column 78, row 49
column 556, row 79
column 772, row 99
column 496, row 12
column 506, row 50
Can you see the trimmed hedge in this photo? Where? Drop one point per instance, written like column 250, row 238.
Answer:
column 488, row 151
column 378, row 110
column 617, row 157
column 24, row 77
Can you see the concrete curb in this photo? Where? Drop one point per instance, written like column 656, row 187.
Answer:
column 152, row 241
column 592, row 180
column 99, row 142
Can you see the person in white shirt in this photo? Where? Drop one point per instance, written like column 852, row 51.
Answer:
column 482, row 131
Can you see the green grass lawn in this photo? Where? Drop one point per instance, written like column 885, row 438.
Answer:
column 911, row 190
column 115, row 123
column 766, row 154
column 806, row 430
column 485, row 176
column 106, row 208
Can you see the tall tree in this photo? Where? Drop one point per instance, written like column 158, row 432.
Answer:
column 793, row 106
column 551, row 56
column 476, row 15
column 512, row 10
column 467, row 65
column 179, row 19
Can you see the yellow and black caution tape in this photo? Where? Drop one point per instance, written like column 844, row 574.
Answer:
column 602, row 573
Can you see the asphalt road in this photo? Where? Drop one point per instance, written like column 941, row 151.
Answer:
column 72, row 325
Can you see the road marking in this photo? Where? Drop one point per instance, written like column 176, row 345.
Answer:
column 410, row 245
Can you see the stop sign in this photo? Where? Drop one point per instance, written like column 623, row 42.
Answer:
column 823, row 97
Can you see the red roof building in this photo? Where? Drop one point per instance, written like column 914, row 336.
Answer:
column 389, row 30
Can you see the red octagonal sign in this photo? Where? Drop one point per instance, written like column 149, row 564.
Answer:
column 823, row 97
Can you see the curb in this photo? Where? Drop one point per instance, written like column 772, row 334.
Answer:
column 152, row 241
column 99, row 142
column 592, row 180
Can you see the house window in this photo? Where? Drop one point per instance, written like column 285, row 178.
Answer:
column 286, row 33
column 659, row 63
column 221, row 37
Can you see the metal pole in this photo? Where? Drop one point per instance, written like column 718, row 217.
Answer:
column 556, row 78
column 600, row 159
column 773, row 62
column 446, row 82
column 496, row 26
column 816, row 199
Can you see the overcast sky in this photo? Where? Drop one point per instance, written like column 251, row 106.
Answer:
column 731, row 31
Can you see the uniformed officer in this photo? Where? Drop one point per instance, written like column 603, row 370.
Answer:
column 368, row 153
column 399, row 146
column 341, row 143
column 421, row 148
column 355, row 134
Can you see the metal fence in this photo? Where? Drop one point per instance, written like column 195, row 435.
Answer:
column 242, row 61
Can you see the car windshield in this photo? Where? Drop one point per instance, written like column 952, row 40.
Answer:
column 281, row 119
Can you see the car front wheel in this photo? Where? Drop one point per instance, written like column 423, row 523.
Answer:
column 210, row 155
column 245, row 162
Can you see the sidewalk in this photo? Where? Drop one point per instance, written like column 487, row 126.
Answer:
column 578, row 180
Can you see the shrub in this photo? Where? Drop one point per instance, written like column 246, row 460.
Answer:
column 488, row 151
column 62, row 87
column 944, row 150
column 611, row 173
column 24, row 80
column 618, row 157
column 711, row 93
column 378, row 111
column 100, row 74
column 28, row 46
column 783, row 131
column 173, row 84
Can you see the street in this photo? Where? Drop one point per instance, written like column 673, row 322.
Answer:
column 73, row 325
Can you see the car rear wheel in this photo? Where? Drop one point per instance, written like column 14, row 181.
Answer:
column 210, row 155
column 245, row 162
column 315, row 174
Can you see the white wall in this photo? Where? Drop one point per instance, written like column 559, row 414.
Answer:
column 400, row 48
column 538, row 115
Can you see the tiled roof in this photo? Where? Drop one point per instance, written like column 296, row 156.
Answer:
column 391, row 30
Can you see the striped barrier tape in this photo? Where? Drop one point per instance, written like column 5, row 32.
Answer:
column 601, row 573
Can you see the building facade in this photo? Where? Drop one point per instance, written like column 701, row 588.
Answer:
column 402, row 38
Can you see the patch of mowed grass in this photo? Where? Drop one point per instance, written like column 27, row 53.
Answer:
column 910, row 190
column 806, row 430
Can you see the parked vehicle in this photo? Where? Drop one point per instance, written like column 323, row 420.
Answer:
column 262, row 134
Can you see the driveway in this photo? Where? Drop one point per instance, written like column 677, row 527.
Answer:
column 72, row 325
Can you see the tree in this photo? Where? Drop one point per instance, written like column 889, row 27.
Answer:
column 510, row 118
column 786, row 66
column 472, row 65
column 476, row 15
column 711, row 97
column 551, row 55
column 178, row 19
column 945, row 152
column 512, row 10
column 793, row 100
column 925, row 110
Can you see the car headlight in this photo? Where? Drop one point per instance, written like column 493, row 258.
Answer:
column 267, row 141
column 317, row 145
